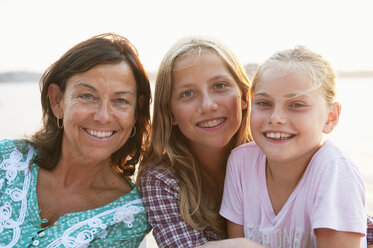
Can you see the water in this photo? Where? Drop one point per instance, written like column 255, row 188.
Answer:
column 20, row 113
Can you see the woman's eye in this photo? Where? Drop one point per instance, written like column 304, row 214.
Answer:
column 87, row 96
column 121, row 101
column 187, row 93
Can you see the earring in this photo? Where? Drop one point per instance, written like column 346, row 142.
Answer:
column 133, row 132
column 60, row 126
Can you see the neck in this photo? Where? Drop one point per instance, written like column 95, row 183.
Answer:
column 213, row 163
column 284, row 177
column 73, row 173
column 288, row 173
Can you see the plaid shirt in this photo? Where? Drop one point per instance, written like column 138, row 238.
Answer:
column 161, row 196
column 370, row 230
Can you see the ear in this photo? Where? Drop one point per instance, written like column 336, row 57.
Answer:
column 333, row 118
column 55, row 100
column 243, row 105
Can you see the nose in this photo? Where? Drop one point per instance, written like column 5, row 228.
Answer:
column 208, row 103
column 103, row 112
column 277, row 116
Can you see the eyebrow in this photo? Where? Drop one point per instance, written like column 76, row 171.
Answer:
column 83, row 84
column 80, row 83
column 222, row 76
column 290, row 95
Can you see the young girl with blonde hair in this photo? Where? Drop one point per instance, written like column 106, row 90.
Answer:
column 292, row 188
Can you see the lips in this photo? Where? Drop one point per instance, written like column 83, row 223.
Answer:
column 278, row 135
column 100, row 134
column 211, row 123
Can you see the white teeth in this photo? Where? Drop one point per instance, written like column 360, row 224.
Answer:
column 100, row 134
column 212, row 123
column 278, row 135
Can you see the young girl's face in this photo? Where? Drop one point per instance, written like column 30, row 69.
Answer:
column 205, row 100
column 288, row 117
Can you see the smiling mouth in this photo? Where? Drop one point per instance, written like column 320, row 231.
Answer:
column 100, row 134
column 211, row 123
column 278, row 136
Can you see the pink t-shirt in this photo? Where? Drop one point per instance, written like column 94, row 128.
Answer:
column 331, row 194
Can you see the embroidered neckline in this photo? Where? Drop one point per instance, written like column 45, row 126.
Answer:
column 117, row 202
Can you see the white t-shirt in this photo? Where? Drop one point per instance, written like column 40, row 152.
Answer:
column 331, row 194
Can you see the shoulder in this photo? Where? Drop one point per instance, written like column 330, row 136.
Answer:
column 159, row 174
column 333, row 182
column 8, row 146
column 330, row 157
column 15, row 156
column 250, row 147
column 331, row 151
column 246, row 153
column 158, row 184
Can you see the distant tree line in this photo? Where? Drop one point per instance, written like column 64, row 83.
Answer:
column 20, row 76
column 23, row 76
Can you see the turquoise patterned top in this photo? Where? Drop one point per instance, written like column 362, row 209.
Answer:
column 121, row 223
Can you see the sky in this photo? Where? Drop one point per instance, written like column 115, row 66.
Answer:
column 35, row 33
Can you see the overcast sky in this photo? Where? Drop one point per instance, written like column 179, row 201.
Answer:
column 35, row 33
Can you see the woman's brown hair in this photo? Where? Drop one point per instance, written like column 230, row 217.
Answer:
column 108, row 48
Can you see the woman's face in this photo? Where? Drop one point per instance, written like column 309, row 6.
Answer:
column 205, row 100
column 98, row 111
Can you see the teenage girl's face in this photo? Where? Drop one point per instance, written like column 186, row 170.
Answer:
column 288, row 118
column 205, row 100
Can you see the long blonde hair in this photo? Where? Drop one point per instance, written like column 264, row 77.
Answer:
column 198, row 206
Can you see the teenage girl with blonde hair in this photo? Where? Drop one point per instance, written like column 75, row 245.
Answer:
column 201, row 107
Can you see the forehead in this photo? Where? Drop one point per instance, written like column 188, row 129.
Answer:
column 106, row 75
column 194, row 56
column 276, row 81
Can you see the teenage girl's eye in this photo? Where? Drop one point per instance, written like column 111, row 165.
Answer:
column 263, row 103
column 187, row 93
column 220, row 85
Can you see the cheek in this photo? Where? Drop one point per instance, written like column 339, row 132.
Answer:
column 255, row 118
column 180, row 120
column 234, row 103
column 126, row 118
column 74, row 112
column 180, row 113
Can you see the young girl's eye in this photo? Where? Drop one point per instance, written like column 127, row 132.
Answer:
column 187, row 93
column 297, row 105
